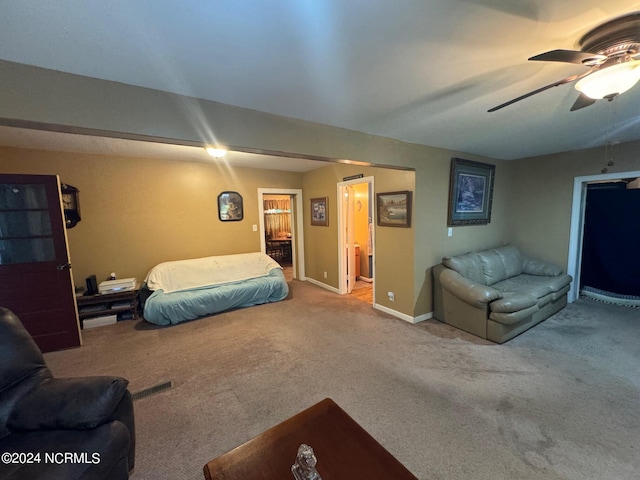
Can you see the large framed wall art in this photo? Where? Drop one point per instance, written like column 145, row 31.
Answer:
column 470, row 192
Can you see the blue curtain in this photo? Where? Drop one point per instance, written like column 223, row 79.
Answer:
column 611, row 248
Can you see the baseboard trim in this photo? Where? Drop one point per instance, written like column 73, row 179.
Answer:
column 423, row 317
column 403, row 316
column 322, row 285
column 377, row 306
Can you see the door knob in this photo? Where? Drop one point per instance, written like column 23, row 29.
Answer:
column 63, row 266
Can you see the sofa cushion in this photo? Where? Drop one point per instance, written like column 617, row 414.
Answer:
column 470, row 292
column 533, row 284
column 560, row 293
column 530, row 285
column 467, row 265
column 514, row 317
column 543, row 301
column 513, row 302
column 500, row 263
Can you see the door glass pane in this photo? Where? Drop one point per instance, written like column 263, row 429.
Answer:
column 25, row 224
column 23, row 196
column 26, row 251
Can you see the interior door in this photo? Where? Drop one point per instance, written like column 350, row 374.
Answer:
column 350, row 236
column 35, row 273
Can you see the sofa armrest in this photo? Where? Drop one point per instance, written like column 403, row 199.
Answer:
column 532, row 266
column 470, row 292
column 68, row 404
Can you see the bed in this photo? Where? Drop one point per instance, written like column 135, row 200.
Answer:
column 183, row 290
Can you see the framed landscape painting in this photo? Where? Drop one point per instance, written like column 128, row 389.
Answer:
column 470, row 192
column 394, row 209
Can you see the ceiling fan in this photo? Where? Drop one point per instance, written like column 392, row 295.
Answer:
column 612, row 53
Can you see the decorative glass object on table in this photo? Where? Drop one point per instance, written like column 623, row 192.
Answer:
column 305, row 466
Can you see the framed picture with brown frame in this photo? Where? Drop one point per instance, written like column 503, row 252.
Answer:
column 394, row 209
column 320, row 211
column 470, row 192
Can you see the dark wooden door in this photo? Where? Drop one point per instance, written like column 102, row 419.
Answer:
column 35, row 272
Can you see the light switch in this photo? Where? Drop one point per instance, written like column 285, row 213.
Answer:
column 450, row 232
column 255, row 228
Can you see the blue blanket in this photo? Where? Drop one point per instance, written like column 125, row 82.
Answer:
column 175, row 307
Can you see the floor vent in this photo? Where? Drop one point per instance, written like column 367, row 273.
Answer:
column 151, row 390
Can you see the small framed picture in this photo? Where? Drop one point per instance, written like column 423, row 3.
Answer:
column 394, row 209
column 230, row 207
column 320, row 211
column 470, row 192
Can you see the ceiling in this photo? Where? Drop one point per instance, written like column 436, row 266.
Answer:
column 419, row 71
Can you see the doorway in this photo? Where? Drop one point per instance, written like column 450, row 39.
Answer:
column 356, row 236
column 610, row 260
column 576, row 239
column 281, row 229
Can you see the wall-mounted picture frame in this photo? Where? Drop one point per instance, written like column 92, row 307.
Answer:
column 470, row 192
column 230, row 207
column 320, row 211
column 394, row 209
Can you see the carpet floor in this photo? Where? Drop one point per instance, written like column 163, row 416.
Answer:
column 560, row 401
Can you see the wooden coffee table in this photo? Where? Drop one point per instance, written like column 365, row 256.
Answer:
column 343, row 448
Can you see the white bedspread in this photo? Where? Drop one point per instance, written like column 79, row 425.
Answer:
column 201, row 272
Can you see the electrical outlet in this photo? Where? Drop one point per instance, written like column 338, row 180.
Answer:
column 325, row 274
column 392, row 296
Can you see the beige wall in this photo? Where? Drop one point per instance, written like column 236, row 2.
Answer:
column 431, row 208
column 542, row 191
column 35, row 96
column 138, row 212
column 394, row 259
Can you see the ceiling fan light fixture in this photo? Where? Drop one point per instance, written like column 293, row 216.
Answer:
column 216, row 152
column 610, row 81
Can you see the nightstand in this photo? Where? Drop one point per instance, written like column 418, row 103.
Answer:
column 123, row 303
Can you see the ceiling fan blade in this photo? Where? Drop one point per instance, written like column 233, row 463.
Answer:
column 571, row 56
column 541, row 89
column 581, row 102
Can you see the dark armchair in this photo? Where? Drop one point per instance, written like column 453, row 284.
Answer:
column 59, row 428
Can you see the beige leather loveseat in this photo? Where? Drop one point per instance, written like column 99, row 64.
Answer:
column 497, row 293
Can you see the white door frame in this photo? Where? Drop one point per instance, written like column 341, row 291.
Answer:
column 342, row 256
column 574, row 260
column 297, row 236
